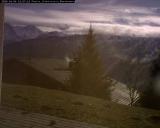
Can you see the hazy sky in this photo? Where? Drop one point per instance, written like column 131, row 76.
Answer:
column 139, row 17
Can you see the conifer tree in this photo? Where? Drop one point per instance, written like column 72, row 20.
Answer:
column 87, row 73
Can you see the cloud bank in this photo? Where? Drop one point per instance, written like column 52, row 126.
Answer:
column 113, row 16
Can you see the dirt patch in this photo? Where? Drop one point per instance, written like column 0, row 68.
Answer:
column 25, row 112
column 45, row 108
column 136, row 118
column 78, row 103
column 52, row 123
column 20, row 97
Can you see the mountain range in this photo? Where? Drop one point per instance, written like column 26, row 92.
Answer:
column 20, row 33
column 116, row 51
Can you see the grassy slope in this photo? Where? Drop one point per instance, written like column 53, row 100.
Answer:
column 78, row 107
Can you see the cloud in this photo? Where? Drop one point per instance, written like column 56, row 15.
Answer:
column 113, row 19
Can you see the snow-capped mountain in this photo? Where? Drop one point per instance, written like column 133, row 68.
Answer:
column 27, row 32
column 9, row 33
column 19, row 33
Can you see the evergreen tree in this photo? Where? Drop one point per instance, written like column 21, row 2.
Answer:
column 87, row 73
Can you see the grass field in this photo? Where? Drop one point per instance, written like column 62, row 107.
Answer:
column 78, row 107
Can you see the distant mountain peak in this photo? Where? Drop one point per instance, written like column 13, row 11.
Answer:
column 10, row 34
column 32, row 27
column 20, row 32
column 28, row 32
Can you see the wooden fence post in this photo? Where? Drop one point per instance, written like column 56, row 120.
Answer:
column 1, row 43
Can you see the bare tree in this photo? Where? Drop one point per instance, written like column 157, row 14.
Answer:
column 133, row 95
column 134, row 73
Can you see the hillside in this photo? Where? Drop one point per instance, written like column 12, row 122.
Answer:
column 78, row 107
column 50, row 74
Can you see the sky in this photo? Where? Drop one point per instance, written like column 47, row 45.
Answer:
column 133, row 17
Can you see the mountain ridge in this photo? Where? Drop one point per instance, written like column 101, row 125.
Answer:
column 19, row 33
